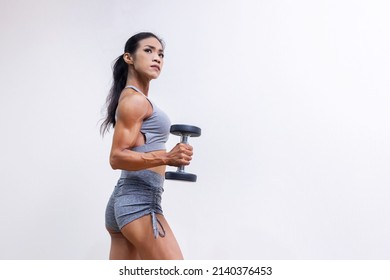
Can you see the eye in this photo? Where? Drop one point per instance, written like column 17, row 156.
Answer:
column 148, row 50
column 161, row 55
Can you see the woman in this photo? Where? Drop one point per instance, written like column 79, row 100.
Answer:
column 134, row 218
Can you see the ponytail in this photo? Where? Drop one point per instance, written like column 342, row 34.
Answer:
column 120, row 70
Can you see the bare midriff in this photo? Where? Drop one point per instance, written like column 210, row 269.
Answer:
column 161, row 168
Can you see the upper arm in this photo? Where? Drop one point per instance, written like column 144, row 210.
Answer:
column 131, row 112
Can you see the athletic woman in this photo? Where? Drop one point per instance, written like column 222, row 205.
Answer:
column 134, row 217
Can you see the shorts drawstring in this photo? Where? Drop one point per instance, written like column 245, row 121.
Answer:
column 155, row 222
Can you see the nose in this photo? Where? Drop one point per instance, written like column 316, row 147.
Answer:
column 157, row 59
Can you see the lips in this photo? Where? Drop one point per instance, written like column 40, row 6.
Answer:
column 156, row 67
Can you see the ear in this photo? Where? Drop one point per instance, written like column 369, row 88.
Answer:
column 128, row 58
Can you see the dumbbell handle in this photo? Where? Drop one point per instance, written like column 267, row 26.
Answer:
column 184, row 140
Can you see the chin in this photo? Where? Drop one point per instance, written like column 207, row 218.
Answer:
column 153, row 77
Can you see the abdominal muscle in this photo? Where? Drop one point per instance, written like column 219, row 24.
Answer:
column 158, row 169
column 161, row 168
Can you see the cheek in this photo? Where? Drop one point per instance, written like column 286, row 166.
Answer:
column 140, row 65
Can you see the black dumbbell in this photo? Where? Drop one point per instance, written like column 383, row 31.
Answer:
column 184, row 131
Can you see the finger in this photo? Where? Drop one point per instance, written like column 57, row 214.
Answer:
column 184, row 145
column 185, row 151
column 189, row 147
column 185, row 162
column 185, row 159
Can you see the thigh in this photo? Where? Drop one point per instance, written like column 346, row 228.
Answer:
column 140, row 233
column 121, row 248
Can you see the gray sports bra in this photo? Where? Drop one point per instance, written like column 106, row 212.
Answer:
column 155, row 129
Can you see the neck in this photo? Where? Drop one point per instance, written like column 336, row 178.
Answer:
column 141, row 84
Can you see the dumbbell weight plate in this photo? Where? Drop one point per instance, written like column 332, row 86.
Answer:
column 190, row 130
column 182, row 176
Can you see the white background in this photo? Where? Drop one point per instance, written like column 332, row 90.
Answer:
column 293, row 101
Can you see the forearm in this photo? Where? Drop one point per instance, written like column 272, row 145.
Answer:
column 130, row 160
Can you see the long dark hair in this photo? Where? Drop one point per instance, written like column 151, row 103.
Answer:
column 120, row 71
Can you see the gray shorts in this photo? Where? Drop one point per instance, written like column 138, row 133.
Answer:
column 137, row 193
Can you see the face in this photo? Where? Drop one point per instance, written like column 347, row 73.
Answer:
column 148, row 60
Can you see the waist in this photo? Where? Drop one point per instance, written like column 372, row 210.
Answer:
column 145, row 174
column 161, row 168
column 158, row 169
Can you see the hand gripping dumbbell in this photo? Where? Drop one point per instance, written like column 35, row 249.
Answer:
column 184, row 131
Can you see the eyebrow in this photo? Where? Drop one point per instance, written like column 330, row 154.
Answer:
column 153, row 48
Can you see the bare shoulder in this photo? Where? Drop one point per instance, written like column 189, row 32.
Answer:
column 132, row 107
